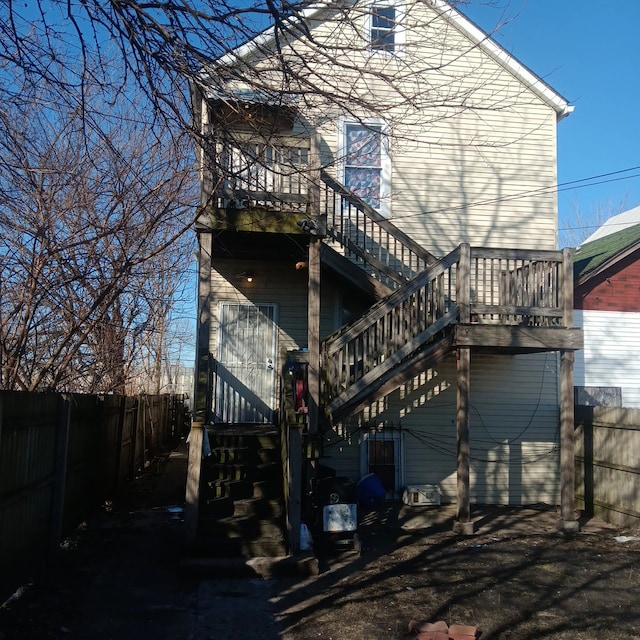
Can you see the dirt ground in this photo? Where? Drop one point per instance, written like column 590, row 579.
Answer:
column 119, row 578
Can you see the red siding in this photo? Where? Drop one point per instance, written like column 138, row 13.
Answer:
column 617, row 289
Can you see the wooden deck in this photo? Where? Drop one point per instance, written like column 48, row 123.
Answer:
column 504, row 301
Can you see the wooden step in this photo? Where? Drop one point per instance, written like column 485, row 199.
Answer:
column 221, row 547
column 235, row 489
column 225, row 471
column 259, row 507
column 230, row 455
column 241, row 508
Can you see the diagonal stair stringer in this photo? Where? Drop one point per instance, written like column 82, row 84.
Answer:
column 380, row 350
column 378, row 386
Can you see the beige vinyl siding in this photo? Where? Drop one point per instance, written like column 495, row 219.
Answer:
column 469, row 158
column 473, row 159
column 513, row 432
column 276, row 283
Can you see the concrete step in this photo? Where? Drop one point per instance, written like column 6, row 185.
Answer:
column 305, row 564
column 246, row 527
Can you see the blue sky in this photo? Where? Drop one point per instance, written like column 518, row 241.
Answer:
column 589, row 52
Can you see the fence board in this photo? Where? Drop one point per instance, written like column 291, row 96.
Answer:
column 41, row 502
column 608, row 463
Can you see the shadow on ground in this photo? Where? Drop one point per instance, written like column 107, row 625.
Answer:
column 516, row 577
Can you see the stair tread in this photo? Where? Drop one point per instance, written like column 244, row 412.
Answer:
column 245, row 517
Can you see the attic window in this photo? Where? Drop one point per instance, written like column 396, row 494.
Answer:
column 383, row 27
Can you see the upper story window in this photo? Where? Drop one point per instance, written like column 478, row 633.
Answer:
column 385, row 28
column 366, row 165
column 383, row 21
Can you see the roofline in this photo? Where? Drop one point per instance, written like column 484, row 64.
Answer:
column 607, row 264
column 266, row 36
column 482, row 38
column 560, row 104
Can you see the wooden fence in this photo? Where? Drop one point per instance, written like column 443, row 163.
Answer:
column 62, row 456
column 608, row 464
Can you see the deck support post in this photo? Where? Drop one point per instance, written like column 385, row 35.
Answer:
column 202, row 390
column 313, row 335
column 192, row 489
column 568, row 522
column 294, row 488
column 463, row 524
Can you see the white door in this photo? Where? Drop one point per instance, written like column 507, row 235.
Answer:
column 245, row 366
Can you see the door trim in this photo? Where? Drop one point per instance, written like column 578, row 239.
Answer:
column 232, row 401
column 394, row 435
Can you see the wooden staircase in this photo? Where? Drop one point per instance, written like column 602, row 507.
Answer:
column 404, row 333
column 241, row 504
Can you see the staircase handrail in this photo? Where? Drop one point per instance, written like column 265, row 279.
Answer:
column 393, row 328
column 394, row 299
column 368, row 236
column 479, row 286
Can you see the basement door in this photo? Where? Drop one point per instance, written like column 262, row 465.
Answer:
column 381, row 453
column 245, row 367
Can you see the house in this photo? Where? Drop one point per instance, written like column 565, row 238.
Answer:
column 378, row 266
column 607, row 307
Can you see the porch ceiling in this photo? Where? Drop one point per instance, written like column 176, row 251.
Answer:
column 248, row 245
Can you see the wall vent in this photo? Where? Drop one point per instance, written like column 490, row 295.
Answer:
column 421, row 494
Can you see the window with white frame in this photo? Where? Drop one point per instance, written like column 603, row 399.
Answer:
column 366, row 163
column 384, row 26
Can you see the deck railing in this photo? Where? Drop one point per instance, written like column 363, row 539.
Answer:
column 516, row 287
column 261, row 172
column 393, row 328
column 479, row 286
column 278, row 174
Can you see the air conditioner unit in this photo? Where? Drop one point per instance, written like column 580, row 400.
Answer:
column 421, row 494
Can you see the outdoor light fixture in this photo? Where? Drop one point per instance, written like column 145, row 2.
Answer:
column 247, row 276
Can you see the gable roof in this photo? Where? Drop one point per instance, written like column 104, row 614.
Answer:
column 592, row 258
column 479, row 38
column 501, row 55
column 616, row 223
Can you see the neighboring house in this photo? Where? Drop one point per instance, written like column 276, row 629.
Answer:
column 399, row 272
column 607, row 307
column 615, row 223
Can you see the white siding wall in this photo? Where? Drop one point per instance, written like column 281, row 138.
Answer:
column 514, row 430
column 611, row 354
